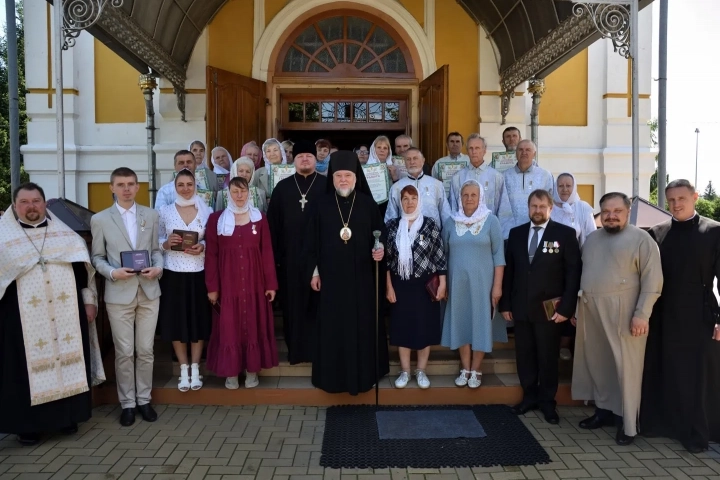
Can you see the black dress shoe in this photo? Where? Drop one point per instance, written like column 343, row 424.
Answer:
column 551, row 416
column 127, row 417
column 597, row 421
column 523, row 407
column 622, row 439
column 147, row 412
column 694, row 448
column 28, row 439
column 70, row 430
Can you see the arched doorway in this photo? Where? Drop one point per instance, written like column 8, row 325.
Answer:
column 343, row 75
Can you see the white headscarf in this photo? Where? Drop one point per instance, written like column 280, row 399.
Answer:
column 282, row 151
column 373, row 158
column 567, row 207
column 201, row 164
column 242, row 161
column 475, row 221
column 196, row 201
column 217, row 168
column 406, row 236
column 226, row 222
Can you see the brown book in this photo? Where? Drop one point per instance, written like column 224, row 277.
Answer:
column 189, row 239
column 432, row 286
column 550, row 307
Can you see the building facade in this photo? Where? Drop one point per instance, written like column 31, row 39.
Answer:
column 346, row 70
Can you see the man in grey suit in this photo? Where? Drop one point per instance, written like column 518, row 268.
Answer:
column 132, row 299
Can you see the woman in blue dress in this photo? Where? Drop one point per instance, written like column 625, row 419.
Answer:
column 476, row 260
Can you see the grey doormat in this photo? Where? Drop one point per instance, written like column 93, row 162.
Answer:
column 352, row 440
column 417, row 424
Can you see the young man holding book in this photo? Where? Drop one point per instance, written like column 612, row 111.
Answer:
column 540, row 287
column 128, row 232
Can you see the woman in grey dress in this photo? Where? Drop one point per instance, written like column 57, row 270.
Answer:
column 476, row 260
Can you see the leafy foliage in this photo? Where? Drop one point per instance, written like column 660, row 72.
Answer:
column 5, row 189
column 710, row 193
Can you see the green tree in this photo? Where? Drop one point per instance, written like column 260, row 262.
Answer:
column 5, row 189
column 710, row 193
column 654, row 177
column 706, row 208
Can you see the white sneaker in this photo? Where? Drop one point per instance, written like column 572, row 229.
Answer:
column 402, row 380
column 475, row 379
column 231, row 383
column 565, row 354
column 422, row 380
column 251, row 380
column 462, row 379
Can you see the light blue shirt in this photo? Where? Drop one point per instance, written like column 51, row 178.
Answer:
column 519, row 185
column 431, row 191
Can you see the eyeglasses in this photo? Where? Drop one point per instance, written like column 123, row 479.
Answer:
column 363, row 152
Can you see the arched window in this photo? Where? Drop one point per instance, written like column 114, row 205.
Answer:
column 345, row 46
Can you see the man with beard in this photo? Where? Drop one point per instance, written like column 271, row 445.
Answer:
column 522, row 179
column 288, row 216
column 341, row 255
column 542, row 264
column 621, row 280
column 681, row 383
column 48, row 301
column 434, row 203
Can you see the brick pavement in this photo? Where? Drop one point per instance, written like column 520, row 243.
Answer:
column 263, row 442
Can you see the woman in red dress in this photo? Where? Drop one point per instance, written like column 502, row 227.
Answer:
column 241, row 283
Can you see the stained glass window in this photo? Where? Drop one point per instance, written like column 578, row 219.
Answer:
column 352, row 40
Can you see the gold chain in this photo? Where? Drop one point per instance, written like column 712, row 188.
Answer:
column 340, row 212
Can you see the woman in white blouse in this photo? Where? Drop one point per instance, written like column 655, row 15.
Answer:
column 184, row 309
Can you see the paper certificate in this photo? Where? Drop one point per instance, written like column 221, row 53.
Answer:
column 277, row 173
column 378, row 179
column 501, row 161
column 201, row 181
column 446, row 171
column 399, row 162
column 254, row 198
column 207, row 196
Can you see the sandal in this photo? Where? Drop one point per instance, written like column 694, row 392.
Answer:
column 184, row 383
column 196, row 382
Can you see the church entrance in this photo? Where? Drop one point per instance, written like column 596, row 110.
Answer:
column 346, row 121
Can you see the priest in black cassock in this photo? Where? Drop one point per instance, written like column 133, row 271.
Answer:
column 288, row 216
column 681, row 381
column 340, row 254
column 47, row 298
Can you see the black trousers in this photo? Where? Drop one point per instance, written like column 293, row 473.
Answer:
column 537, row 345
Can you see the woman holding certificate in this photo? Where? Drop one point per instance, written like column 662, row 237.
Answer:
column 476, row 262
column 416, row 265
column 184, row 311
column 241, row 283
column 245, row 168
column 273, row 154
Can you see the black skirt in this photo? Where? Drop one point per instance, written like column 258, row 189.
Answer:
column 184, row 307
column 415, row 320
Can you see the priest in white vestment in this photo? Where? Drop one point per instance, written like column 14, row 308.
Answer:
column 621, row 280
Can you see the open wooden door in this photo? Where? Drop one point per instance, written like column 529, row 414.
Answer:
column 433, row 112
column 235, row 110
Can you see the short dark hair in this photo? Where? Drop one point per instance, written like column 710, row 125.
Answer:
column 239, row 182
column 28, row 187
column 510, row 129
column 322, row 143
column 454, row 134
column 182, row 153
column 122, row 172
column 681, row 182
column 357, row 149
column 409, row 190
column 540, row 194
column 184, row 173
column 611, row 195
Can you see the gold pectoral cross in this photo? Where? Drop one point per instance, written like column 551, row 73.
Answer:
column 303, row 202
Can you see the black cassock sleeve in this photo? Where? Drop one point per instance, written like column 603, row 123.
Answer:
column 81, row 276
column 311, row 244
column 275, row 221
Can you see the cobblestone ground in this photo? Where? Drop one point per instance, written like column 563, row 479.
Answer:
column 263, row 442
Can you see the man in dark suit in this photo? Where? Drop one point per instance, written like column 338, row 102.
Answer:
column 542, row 263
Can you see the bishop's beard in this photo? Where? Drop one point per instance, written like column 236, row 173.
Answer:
column 344, row 192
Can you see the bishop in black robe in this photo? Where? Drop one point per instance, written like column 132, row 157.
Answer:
column 681, row 382
column 288, row 216
column 348, row 334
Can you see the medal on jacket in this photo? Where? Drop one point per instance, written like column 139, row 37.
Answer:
column 544, row 250
column 142, row 225
column 253, row 230
column 557, row 247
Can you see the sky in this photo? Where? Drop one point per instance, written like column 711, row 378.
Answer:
column 693, row 93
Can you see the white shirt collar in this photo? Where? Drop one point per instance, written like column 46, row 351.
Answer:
column 122, row 210
column 542, row 226
column 683, row 221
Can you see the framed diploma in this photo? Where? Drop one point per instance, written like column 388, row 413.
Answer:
column 138, row 260
column 189, row 239
column 446, row 170
column 378, row 178
column 221, row 177
column 399, row 162
column 207, row 196
column 501, row 161
column 201, row 180
column 277, row 173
